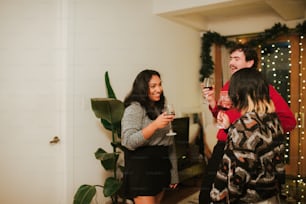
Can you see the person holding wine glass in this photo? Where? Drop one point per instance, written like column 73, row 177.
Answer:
column 242, row 56
column 254, row 154
column 149, row 155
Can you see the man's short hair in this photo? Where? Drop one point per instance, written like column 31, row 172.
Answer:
column 249, row 52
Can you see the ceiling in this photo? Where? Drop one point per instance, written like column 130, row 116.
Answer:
column 200, row 17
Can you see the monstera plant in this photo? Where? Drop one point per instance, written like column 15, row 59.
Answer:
column 109, row 111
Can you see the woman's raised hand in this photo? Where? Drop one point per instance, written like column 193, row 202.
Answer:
column 163, row 120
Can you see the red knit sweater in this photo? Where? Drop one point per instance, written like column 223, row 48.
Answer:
column 282, row 110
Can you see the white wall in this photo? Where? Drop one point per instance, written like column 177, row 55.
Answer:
column 123, row 38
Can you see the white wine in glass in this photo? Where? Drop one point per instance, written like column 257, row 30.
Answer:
column 170, row 111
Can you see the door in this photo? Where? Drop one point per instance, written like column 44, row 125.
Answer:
column 281, row 63
column 32, row 110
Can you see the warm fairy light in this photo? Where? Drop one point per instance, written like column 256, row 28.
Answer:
column 300, row 189
column 273, row 59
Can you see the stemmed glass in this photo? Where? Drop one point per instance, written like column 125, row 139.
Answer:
column 223, row 104
column 219, row 123
column 169, row 109
column 208, row 83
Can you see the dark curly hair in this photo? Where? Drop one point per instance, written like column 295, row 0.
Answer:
column 139, row 93
column 249, row 52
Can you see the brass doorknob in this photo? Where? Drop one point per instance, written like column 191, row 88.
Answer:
column 55, row 140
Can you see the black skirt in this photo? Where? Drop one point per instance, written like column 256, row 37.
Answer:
column 146, row 171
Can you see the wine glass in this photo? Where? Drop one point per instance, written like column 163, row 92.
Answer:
column 219, row 121
column 207, row 83
column 169, row 109
column 224, row 103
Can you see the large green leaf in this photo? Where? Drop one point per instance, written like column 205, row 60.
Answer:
column 111, row 186
column 110, row 91
column 108, row 109
column 106, row 124
column 112, row 127
column 84, row 194
column 108, row 160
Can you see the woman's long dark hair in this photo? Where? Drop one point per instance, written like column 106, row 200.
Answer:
column 139, row 93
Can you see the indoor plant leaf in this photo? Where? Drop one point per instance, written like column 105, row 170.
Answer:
column 109, row 126
column 110, row 91
column 108, row 160
column 84, row 194
column 111, row 186
column 108, row 109
column 106, row 124
column 110, row 94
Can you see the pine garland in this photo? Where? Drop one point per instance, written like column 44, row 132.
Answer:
column 210, row 38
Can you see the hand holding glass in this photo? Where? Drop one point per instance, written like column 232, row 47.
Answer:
column 208, row 84
column 220, row 124
column 224, row 104
column 170, row 111
column 223, row 121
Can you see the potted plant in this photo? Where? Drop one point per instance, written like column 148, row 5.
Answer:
column 109, row 111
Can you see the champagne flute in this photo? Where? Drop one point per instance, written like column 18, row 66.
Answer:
column 207, row 83
column 170, row 111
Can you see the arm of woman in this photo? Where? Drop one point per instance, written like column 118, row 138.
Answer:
column 174, row 169
column 134, row 132
column 131, row 127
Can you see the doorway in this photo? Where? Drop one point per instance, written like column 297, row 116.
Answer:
column 283, row 63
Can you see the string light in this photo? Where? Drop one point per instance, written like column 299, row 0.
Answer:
column 276, row 65
column 298, row 183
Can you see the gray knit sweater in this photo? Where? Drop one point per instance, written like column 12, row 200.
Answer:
column 133, row 121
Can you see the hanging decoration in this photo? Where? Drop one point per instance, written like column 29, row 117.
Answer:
column 210, row 38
